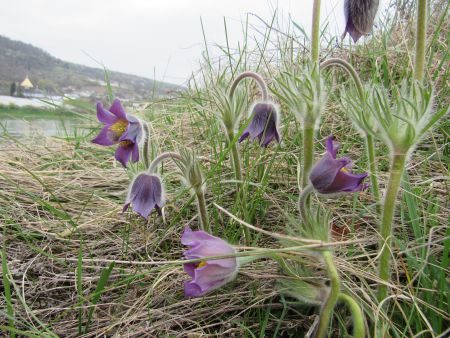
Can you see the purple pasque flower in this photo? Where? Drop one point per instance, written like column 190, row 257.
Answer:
column 330, row 175
column 121, row 129
column 146, row 193
column 263, row 124
column 207, row 275
column 359, row 17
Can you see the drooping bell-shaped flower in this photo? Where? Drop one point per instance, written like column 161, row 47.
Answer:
column 359, row 17
column 120, row 128
column 264, row 124
column 145, row 194
column 330, row 175
column 207, row 275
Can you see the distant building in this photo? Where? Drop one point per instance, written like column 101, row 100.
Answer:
column 25, row 88
column 26, row 84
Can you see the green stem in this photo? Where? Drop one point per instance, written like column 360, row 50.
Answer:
column 146, row 148
column 421, row 39
column 350, row 70
column 163, row 156
column 315, row 32
column 203, row 211
column 396, row 172
column 370, row 148
column 238, row 176
column 359, row 330
column 235, row 157
column 308, row 151
column 302, row 204
column 328, row 307
column 255, row 76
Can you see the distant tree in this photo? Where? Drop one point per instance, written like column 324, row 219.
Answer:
column 12, row 89
column 19, row 91
column 47, row 85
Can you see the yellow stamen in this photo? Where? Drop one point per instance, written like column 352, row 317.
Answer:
column 201, row 264
column 344, row 170
column 119, row 127
column 125, row 143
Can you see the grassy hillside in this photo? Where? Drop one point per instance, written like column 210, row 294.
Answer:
column 17, row 59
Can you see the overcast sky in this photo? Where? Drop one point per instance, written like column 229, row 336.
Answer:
column 159, row 39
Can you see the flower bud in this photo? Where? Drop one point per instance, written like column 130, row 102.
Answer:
column 359, row 17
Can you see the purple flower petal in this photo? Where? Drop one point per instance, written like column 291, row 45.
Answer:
column 263, row 124
column 359, row 17
column 117, row 109
column 194, row 238
column 207, row 275
column 132, row 133
column 332, row 146
column 103, row 138
column 347, row 182
column 352, row 31
column 330, row 175
column 123, row 154
column 211, row 277
column 105, row 116
column 192, row 290
column 145, row 194
column 189, row 268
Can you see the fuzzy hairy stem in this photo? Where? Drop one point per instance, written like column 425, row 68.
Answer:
column 308, row 151
column 328, row 307
column 203, row 211
column 370, row 148
column 235, row 157
column 421, row 39
column 163, row 156
column 359, row 330
column 302, row 204
column 384, row 269
column 315, row 35
column 255, row 76
column 146, row 147
column 349, row 69
column 238, row 176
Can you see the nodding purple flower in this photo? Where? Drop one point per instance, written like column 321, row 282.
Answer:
column 359, row 17
column 207, row 275
column 146, row 193
column 330, row 175
column 121, row 129
column 263, row 124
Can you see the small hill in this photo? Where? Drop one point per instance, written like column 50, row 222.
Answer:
column 55, row 76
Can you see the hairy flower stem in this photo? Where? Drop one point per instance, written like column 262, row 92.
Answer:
column 168, row 154
column 359, row 330
column 203, row 211
column 421, row 31
column 308, row 151
column 370, row 148
column 146, row 147
column 255, row 76
column 235, row 159
column 369, row 138
column 315, row 35
column 396, row 172
column 302, row 204
column 328, row 307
